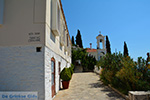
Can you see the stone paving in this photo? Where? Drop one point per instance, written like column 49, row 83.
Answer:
column 87, row 86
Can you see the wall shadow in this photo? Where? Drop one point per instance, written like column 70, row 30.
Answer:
column 108, row 91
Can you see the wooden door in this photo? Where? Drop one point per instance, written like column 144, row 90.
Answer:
column 59, row 75
column 53, row 76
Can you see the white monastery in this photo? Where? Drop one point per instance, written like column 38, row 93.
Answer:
column 34, row 46
column 101, row 49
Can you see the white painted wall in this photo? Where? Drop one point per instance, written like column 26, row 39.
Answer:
column 22, row 17
column 21, row 69
column 48, row 55
column 51, row 21
column 28, row 70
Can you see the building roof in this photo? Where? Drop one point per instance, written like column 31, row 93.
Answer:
column 65, row 20
column 100, row 35
column 91, row 50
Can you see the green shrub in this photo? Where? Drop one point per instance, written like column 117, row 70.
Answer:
column 71, row 70
column 72, row 66
column 142, row 85
column 65, row 74
column 111, row 63
column 128, row 74
column 124, row 74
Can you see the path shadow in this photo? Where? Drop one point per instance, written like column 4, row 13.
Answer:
column 109, row 92
column 97, row 85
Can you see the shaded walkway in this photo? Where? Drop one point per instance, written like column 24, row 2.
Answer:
column 86, row 86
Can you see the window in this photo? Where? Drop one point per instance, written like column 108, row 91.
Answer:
column 64, row 52
column 38, row 49
column 64, row 34
column 60, row 46
column 67, row 40
column 1, row 11
column 52, row 36
column 52, row 70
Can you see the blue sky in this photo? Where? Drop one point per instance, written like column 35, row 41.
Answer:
column 121, row 20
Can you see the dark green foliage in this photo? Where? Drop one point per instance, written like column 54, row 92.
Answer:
column 71, row 70
column 65, row 74
column 72, row 66
column 77, row 55
column 108, row 45
column 72, row 40
column 79, row 40
column 124, row 74
column 125, row 50
column 87, row 62
column 143, row 69
column 110, row 64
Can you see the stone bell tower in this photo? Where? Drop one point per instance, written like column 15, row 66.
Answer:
column 101, row 49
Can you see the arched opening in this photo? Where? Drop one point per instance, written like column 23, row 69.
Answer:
column 102, row 53
column 101, row 44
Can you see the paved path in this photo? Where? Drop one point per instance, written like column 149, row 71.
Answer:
column 86, row 86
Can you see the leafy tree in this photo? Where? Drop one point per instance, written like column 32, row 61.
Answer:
column 125, row 50
column 72, row 40
column 79, row 39
column 108, row 45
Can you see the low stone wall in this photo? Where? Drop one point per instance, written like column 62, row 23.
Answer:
column 97, row 70
column 78, row 69
column 139, row 95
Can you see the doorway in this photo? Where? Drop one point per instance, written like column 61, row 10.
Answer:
column 53, row 76
column 59, row 63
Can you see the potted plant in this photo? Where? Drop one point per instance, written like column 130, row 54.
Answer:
column 65, row 75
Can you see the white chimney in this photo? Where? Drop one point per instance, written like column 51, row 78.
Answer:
column 90, row 45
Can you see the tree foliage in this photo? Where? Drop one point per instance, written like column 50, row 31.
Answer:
column 88, row 62
column 108, row 45
column 79, row 39
column 124, row 74
column 125, row 50
column 72, row 40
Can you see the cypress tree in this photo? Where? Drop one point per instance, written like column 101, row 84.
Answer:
column 108, row 49
column 125, row 49
column 72, row 40
column 79, row 39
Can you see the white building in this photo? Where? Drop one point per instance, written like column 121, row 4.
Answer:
column 101, row 49
column 34, row 46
